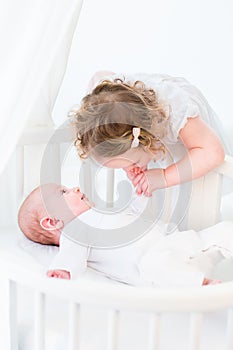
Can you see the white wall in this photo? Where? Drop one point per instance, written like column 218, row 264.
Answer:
column 186, row 38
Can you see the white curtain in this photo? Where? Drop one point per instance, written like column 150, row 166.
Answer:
column 35, row 38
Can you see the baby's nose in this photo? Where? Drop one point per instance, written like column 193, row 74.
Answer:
column 76, row 189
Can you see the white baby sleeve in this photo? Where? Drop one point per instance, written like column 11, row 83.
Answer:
column 71, row 257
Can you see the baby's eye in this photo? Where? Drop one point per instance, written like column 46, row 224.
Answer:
column 63, row 190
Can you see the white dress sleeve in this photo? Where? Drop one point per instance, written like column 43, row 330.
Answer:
column 72, row 257
column 180, row 98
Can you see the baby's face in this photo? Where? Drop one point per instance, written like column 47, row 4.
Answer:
column 63, row 203
column 76, row 200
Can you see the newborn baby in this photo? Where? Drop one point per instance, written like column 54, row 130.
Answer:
column 179, row 259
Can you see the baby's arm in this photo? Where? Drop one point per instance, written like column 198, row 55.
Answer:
column 71, row 260
column 207, row 281
column 59, row 274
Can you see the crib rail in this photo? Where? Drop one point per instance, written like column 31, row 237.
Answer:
column 205, row 199
column 124, row 297
column 44, row 134
column 115, row 298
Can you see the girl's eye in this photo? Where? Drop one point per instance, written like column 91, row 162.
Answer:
column 63, row 191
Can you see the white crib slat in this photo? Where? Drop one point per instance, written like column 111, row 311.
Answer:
column 113, row 330
column 8, row 315
column 74, row 326
column 195, row 331
column 110, row 187
column 154, row 332
column 229, row 331
column 13, row 315
column 86, row 179
column 166, row 214
column 211, row 199
column 39, row 321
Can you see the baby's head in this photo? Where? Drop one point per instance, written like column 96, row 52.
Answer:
column 47, row 209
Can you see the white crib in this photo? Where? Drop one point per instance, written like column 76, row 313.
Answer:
column 151, row 305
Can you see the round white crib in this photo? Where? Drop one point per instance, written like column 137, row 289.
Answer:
column 112, row 316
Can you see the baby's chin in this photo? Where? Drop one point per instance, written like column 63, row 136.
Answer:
column 88, row 203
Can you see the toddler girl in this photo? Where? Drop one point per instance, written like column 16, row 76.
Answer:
column 125, row 121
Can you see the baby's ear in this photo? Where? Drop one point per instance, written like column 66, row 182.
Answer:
column 50, row 224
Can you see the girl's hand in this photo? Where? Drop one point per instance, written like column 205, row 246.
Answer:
column 59, row 274
column 148, row 181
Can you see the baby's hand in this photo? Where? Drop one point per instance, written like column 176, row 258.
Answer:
column 59, row 274
column 207, row 281
column 148, row 181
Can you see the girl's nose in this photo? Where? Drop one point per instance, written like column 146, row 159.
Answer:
column 76, row 189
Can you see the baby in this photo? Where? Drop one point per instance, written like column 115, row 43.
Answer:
column 179, row 259
column 47, row 209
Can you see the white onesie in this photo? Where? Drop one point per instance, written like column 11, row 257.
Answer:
column 179, row 259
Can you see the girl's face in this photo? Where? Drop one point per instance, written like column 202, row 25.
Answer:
column 134, row 157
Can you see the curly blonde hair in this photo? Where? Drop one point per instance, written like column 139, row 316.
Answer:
column 107, row 115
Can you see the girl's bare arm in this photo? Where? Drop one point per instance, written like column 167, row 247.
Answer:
column 204, row 153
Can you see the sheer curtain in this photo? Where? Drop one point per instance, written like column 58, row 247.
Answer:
column 35, row 36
